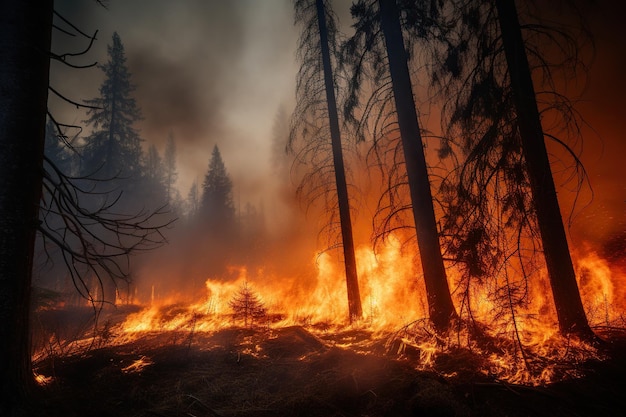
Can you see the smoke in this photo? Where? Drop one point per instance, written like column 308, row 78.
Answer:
column 210, row 72
column 217, row 72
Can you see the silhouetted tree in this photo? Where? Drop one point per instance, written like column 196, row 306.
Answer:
column 377, row 49
column 151, row 186
column 569, row 307
column 25, row 54
column 316, row 117
column 153, row 166
column 170, row 170
column 25, row 30
column 217, row 207
column 247, row 306
column 113, row 150
column 494, row 107
column 58, row 149
column 193, row 200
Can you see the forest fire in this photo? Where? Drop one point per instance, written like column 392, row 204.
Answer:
column 523, row 349
column 412, row 233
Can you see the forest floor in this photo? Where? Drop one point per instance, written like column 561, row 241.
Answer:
column 291, row 372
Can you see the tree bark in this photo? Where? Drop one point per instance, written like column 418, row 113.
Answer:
column 569, row 307
column 354, row 298
column 25, row 30
column 440, row 306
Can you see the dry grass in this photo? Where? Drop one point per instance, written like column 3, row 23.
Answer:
column 291, row 372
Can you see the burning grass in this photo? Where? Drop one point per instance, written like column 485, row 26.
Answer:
column 298, row 371
column 263, row 345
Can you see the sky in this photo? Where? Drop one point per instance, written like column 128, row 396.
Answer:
column 217, row 73
column 208, row 72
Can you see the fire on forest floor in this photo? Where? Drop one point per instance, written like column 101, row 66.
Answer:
column 307, row 371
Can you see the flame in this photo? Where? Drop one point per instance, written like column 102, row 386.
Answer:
column 389, row 289
column 523, row 346
column 138, row 365
column 42, row 380
column 602, row 290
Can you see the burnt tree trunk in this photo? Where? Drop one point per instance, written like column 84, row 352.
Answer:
column 354, row 298
column 25, row 30
column 440, row 306
column 569, row 307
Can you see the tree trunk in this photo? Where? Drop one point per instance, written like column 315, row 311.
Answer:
column 569, row 307
column 354, row 298
column 440, row 306
column 25, row 28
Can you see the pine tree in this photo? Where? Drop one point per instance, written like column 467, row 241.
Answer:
column 569, row 306
column 378, row 51
column 217, row 208
column 247, row 306
column 113, row 150
column 193, row 200
column 316, row 124
column 169, row 168
column 502, row 204
column 154, row 174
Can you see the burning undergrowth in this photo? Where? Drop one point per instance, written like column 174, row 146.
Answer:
column 303, row 371
column 260, row 344
column 528, row 351
column 466, row 352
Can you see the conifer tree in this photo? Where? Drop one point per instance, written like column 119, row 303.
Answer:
column 193, row 200
column 153, row 185
column 25, row 30
column 217, row 208
column 497, row 70
column 247, row 306
column 316, row 125
column 378, row 52
column 113, row 150
column 169, row 168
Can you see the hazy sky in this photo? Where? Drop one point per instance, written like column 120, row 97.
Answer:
column 210, row 72
column 216, row 72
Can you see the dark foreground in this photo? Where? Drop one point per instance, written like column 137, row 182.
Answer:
column 289, row 372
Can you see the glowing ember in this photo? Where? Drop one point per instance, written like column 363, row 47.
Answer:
column 42, row 380
column 138, row 365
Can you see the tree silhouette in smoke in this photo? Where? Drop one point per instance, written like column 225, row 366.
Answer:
column 114, row 148
column 171, row 172
column 217, row 209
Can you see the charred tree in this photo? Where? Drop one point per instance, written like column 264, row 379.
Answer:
column 569, row 307
column 440, row 305
column 352, row 280
column 501, row 73
column 25, row 30
column 319, row 12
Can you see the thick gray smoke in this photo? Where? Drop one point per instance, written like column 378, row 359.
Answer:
column 209, row 72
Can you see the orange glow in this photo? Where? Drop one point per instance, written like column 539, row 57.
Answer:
column 602, row 290
column 520, row 345
column 42, row 380
column 388, row 290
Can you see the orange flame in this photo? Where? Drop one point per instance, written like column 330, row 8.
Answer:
column 527, row 349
